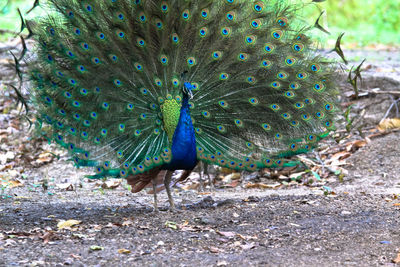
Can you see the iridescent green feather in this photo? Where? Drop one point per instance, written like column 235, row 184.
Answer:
column 107, row 78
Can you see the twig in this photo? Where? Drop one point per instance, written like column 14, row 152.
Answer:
column 394, row 104
column 8, row 31
column 386, row 92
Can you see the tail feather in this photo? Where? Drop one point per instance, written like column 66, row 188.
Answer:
column 105, row 68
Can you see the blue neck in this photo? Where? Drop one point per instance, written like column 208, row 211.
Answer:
column 183, row 148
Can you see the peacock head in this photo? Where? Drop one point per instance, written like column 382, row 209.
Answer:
column 187, row 86
column 187, row 89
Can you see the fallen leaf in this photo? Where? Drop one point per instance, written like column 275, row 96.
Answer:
column 397, row 259
column 48, row 236
column 78, row 257
column 204, row 193
column 123, row 251
column 171, row 225
column 127, row 223
column 192, row 186
column 214, row 249
column 94, row 248
column 247, row 237
column 7, row 156
column 340, row 155
column 296, row 174
column 225, row 171
column 262, row 185
column 111, row 184
column 227, row 234
column 232, row 176
column 11, row 183
column 66, row 186
column 67, row 224
column 389, row 124
column 222, row 263
column 81, row 236
column 248, row 246
column 233, row 184
column 355, row 145
column 189, row 228
column 111, row 225
column 45, row 157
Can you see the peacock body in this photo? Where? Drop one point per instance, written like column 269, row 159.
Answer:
column 136, row 87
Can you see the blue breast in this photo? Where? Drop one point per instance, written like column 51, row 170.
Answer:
column 183, row 148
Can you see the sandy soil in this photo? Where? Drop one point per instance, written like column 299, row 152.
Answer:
column 353, row 222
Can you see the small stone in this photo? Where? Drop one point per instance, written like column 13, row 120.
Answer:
column 345, row 212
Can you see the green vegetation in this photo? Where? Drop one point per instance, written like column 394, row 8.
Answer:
column 9, row 18
column 365, row 22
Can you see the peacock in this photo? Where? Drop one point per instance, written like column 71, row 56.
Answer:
column 137, row 89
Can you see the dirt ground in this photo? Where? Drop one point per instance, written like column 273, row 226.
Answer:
column 348, row 220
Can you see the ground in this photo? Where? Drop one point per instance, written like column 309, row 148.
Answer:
column 346, row 218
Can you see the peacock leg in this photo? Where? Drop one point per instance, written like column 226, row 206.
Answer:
column 210, row 180
column 201, row 173
column 154, row 182
column 167, row 184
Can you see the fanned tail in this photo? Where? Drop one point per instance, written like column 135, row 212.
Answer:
column 108, row 71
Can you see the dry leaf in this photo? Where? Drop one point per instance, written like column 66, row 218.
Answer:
column 234, row 184
column 111, row 184
column 262, row 185
column 123, row 251
column 340, row 155
column 191, row 186
column 225, row 171
column 397, row 259
column 296, row 174
column 171, row 225
column 355, row 145
column 190, row 228
column 67, row 224
column 127, row 223
column 94, row 248
column 232, row 176
column 11, row 183
column 247, row 237
column 248, row 246
column 47, row 237
column 227, row 234
column 65, row 186
column 45, row 157
column 7, row 156
column 389, row 124
column 214, row 249
column 78, row 257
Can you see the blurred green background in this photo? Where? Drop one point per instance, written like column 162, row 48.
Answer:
column 365, row 22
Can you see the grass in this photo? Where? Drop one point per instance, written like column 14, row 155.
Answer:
column 365, row 22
